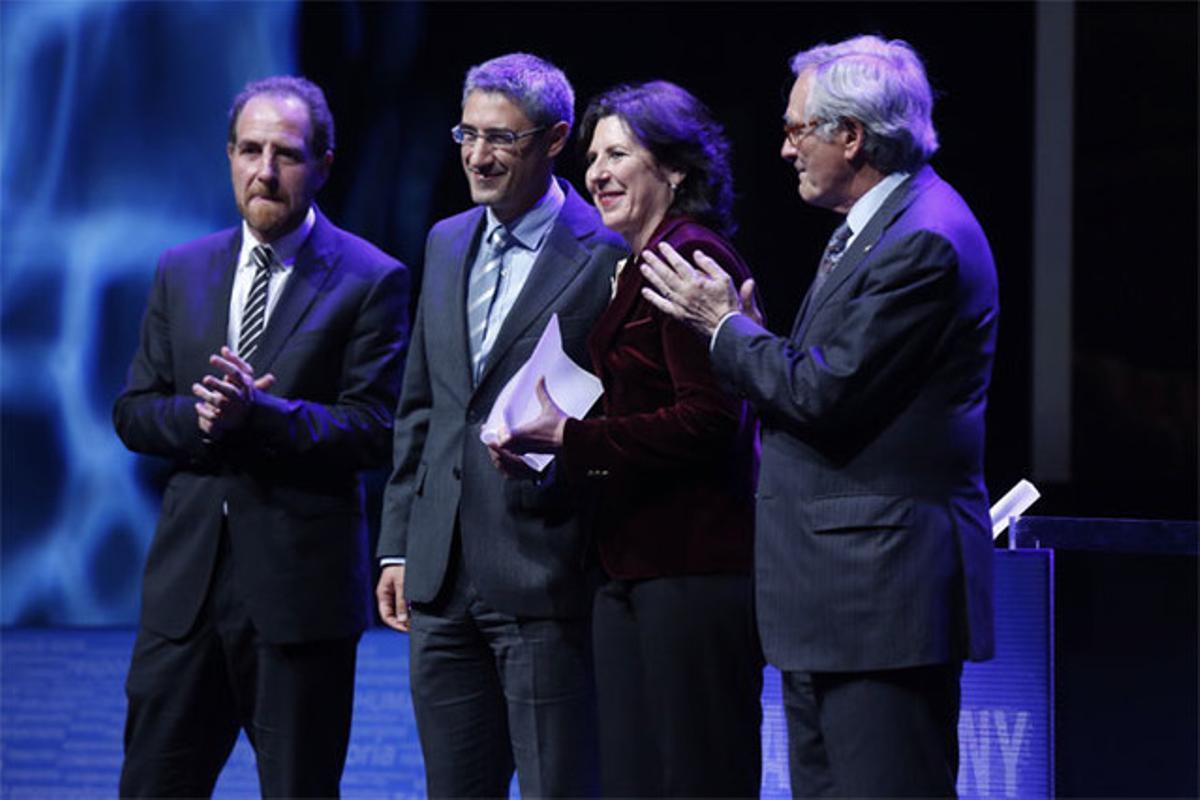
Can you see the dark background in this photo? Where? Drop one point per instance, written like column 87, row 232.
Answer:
column 113, row 149
column 394, row 78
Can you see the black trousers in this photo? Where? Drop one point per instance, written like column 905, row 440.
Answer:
column 188, row 698
column 679, row 680
column 492, row 691
column 887, row 733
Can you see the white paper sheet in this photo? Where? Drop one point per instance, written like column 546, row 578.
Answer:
column 571, row 387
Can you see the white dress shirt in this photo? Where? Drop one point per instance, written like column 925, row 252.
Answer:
column 286, row 247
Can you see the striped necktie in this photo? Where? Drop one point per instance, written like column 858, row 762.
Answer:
column 254, row 313
column 481, row 294
column 833, row 254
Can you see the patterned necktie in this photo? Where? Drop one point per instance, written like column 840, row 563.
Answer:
column 833, row 254
column 254, row 313
column 481, row 294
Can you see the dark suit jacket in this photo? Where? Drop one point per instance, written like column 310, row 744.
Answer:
column 873, row 544
column 673, row 455
column 335, row 343
column 522, row 542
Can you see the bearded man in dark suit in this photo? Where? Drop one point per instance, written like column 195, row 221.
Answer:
column 873, row 548
column 267, row 372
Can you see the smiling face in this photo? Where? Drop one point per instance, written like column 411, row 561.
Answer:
column 509, row 180
column 630, row 189
column 275, row 176
column 824, row 168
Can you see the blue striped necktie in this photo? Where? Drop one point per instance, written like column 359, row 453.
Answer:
column 254, row 313
column 481, row 294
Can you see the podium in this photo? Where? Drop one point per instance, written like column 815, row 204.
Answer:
column 1121, row 614
column 1006, row 722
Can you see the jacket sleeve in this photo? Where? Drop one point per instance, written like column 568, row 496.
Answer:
column 858, row 353
column 152, row 415
column 353, row 432
column 410, row 430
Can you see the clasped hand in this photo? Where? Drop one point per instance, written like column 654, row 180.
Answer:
column 225, row 400
column 542, row 434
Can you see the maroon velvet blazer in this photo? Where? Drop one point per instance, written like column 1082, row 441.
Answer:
column 674, row 457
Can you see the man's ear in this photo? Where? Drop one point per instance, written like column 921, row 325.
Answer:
column 557, row 138
column 853, row 136
column 324, row 165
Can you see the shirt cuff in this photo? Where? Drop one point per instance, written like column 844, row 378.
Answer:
column 392, row 561
column 712, row 342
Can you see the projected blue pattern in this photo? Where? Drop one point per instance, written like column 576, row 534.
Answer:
column 112, row 149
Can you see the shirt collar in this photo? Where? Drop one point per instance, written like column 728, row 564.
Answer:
column 866, row 206
column 286, row 247
column 531, row 228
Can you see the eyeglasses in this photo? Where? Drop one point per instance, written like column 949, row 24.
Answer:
column 467, row 137
column 796, row 132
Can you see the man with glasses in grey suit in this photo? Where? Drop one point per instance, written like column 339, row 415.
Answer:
column 491, row 575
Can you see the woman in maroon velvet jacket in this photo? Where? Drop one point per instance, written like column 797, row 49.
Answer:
column 678, row 664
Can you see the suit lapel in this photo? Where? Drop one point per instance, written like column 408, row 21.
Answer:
column 314, row 263
column 629, row 292
column 620, row 308
column 217, row 280
column 555, row 268
column 858, row 250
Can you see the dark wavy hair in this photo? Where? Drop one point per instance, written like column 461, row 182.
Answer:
column 681, row 134
column 319, row 115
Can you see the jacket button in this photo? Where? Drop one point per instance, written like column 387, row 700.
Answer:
column 457, row 472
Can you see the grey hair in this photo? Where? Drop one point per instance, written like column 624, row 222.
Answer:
column 883, row 85
column 534, row 85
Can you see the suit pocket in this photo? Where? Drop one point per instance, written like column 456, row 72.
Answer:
column 858, row 513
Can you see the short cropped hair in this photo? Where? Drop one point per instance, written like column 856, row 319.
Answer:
column 534, row 85
column 883, row 85
column 319, row 115
column 681, row 134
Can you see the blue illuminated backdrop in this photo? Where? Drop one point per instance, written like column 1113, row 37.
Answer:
column 112, row 150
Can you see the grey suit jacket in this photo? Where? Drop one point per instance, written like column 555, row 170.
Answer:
column 523, row 544
column 873, row 546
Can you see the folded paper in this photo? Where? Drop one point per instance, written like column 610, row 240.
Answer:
column 570, row 386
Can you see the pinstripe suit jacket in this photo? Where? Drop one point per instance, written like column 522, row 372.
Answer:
column 873, row 547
